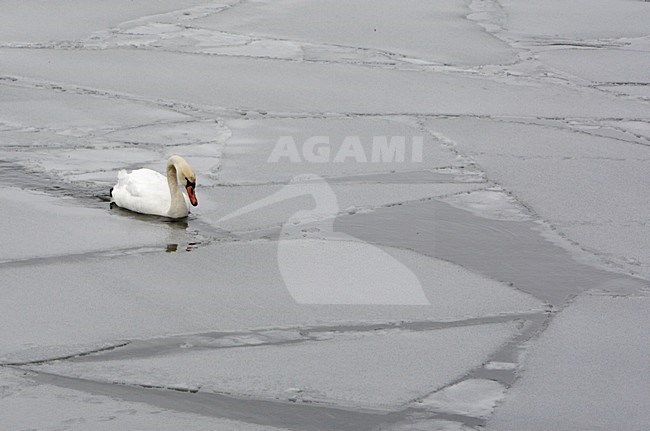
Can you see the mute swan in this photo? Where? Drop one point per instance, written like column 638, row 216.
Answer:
column 149, row 192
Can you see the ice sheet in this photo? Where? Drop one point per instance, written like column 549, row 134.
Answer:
column 73, row 114
column 161, row 293
column 640, row 91
column 276, row 85
column 65, row 136
column 601, row 65
column 437, row 32
column 492, row 203
column 588, row 371
column 521, row 140
column 591, row 201
column 472, row 397
column 69, row 227
column 538, row 163
column 193, row 134
column 276, row 150
column 217, row 202
column 625, row 243
column 29, row 405
column 34, row 21
column 429, row 425
column 378, row 370
column 581, row 19
column 636, row 127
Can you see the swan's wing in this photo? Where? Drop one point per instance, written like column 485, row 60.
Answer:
column 143, row 190
column 143, row 182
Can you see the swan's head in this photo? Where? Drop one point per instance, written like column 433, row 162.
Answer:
column 186, row 177
column 190, row 186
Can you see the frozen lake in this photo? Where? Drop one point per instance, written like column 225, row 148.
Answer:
column 412, row 215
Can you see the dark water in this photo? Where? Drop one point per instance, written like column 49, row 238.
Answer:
column 507, row 251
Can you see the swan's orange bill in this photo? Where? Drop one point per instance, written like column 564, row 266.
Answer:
column 192, row 196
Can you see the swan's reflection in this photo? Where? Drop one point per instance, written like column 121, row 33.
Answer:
column 177, row 224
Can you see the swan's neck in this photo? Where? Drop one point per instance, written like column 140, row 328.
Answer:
column 177, row 207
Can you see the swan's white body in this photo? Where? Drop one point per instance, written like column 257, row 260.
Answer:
column 149, row 192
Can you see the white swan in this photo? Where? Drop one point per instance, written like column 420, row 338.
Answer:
column 149, row 192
